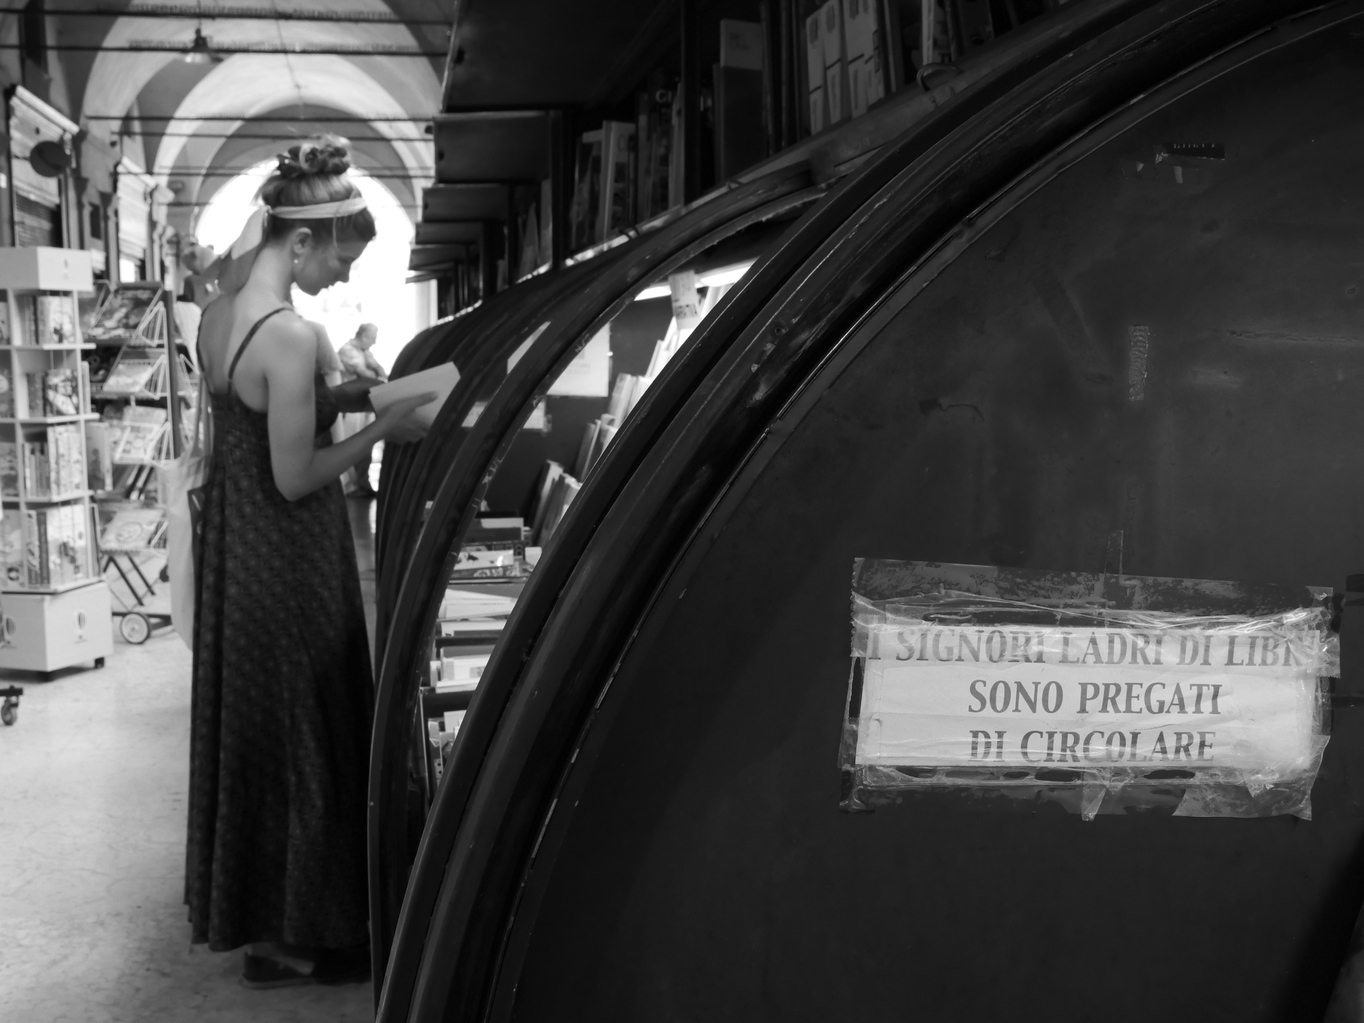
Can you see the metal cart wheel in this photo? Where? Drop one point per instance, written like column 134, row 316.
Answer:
column 9, row 710
column 134, row 628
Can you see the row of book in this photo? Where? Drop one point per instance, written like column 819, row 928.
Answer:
column 50, row 462
column 535, row 234
column 848, row 49
column 53, row 392
column 554, row 492
column 42, row 320
column 625, row 173
column 43, row 547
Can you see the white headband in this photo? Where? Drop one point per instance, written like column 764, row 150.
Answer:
column 317, row 211
column 253, row 233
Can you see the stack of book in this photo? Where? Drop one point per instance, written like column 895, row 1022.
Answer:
column 470, row 622
column 45, row 546
column 45, row 320
column 494, row 548
column 50, row 460
column 54, row 392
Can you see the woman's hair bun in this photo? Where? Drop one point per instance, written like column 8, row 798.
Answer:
column 322, row 154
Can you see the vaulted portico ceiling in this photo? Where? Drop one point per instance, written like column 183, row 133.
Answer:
column 196, row 114
column 207, row 162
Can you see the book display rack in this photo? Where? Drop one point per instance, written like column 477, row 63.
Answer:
column 144, row 386
column 55, row 605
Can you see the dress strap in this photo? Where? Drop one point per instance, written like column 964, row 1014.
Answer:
column 247, row 340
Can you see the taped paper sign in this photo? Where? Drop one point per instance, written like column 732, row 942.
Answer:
column 971, row 676
column 1238, row 694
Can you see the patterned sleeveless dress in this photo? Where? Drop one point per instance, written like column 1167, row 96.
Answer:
column 282, row 702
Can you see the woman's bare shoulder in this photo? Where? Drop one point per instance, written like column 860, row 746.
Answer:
column 289, row 332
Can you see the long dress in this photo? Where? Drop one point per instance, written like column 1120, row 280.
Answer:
column 282, row 703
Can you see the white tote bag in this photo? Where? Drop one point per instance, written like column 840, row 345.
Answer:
column 185, row 479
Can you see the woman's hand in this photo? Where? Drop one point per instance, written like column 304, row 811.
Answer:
column 400, row 422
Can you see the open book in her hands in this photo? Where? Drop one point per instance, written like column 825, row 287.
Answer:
column 438, row 380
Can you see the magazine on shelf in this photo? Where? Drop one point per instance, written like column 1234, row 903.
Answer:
column 138, row 443
column 131, row 374
column 132, row 529
column 123, row 312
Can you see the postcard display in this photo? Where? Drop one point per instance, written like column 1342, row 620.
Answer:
column 54, row 606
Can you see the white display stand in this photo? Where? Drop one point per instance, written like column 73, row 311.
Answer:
column 54, row 605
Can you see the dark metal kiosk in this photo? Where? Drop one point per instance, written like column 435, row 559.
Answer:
column 479, row 451
column 1073, row 360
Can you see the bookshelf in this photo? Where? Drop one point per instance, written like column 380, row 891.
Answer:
column 649, row 108
column 54, row 605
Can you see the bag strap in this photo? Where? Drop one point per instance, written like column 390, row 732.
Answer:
column 200, row 436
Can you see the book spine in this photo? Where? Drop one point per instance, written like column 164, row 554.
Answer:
column 35, row 394
column 835, row 64
column 814, row 54
column 44, row 320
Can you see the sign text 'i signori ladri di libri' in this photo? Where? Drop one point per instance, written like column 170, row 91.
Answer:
column 970, row 682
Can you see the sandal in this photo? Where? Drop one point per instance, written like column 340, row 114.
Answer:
column 262, row 973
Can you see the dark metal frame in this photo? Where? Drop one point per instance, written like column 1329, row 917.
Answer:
column 473, row 457
column 509, row 791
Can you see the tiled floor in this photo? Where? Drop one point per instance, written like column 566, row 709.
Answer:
column 92, row 831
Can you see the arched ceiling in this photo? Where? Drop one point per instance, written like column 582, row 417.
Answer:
column 197, row 121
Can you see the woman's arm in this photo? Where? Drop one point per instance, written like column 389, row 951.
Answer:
column 297, row 466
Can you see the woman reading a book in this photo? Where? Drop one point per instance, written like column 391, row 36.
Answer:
column 282, row 685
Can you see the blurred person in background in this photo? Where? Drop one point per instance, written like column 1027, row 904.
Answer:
column 358, row 363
